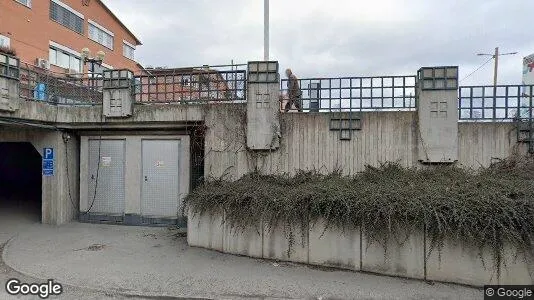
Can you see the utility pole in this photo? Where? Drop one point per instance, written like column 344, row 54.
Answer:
column 266, row 30
column 495, row 56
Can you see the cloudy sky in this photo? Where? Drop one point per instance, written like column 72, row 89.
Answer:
column 318, row 38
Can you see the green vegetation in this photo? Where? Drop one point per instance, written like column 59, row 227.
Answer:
column 486, row 209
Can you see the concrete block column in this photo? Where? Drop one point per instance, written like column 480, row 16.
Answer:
column 118, row 95
column 263, row 108
column 437, row 108
column 9, row 83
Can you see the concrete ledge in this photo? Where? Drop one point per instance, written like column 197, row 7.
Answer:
column 333, row 248
column 458, row 263
column 247, row 243
column 276, row 243
column 205, row 231
column 405, row 254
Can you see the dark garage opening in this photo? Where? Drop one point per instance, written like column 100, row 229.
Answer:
column 20, row 182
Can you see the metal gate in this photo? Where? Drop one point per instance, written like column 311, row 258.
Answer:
column 106, row 176
column 160, row 178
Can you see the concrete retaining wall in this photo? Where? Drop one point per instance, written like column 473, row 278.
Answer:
column 307, row 143
column 403, row 256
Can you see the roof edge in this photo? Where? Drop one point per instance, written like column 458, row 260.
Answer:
column 137, row 41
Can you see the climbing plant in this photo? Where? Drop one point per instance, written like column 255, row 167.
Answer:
column 488, row 209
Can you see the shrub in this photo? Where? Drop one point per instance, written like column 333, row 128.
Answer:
column 486, row 209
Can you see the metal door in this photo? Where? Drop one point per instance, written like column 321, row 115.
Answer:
column 106, row 176
column 160, row 178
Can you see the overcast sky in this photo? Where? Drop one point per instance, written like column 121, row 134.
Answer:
column 318, row 38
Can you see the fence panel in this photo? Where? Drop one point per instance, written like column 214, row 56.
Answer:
column 59, row 88
column 191, row 85
column 495, row 103
column 381, row 93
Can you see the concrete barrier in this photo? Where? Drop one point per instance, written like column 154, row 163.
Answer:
column 248, row 242
column 276, row 243
column 468, row 265
column 205, row 231
column 403, row 255
column 333, row 247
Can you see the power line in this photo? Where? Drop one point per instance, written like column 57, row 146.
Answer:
column 477, row 69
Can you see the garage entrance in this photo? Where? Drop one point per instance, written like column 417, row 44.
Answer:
column 20, row 182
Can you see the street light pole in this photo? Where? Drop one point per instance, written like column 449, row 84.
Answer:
column 496, row 68
column 266, row 30
column 495, row 56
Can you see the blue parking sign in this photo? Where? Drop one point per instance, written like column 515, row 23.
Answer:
column 48, row 161
column 48, row 153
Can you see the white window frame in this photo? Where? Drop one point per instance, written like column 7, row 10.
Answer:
column 102, row 28
column 72, row 10
column 69, row 51
column 126, row 43
column 27, row 4
column 5, row 39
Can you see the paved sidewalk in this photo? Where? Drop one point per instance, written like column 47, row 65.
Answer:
column 158, row 261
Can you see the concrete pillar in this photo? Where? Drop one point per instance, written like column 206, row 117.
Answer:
column 437, row 108
column 118, row 95
column 263, row 107
column 9, row 83
column 59, row 205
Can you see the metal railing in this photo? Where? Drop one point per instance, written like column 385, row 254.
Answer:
column 380, row 93
column 495, row 103
column 223, row 83
column 59, row 88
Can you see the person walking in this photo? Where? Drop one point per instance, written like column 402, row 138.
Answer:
column 294, row 93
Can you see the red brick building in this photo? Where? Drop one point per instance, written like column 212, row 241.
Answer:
column 52, row 33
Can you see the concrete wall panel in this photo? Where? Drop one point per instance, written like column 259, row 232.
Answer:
column 248, row 242
column 276, row 243
column 332, row 247
column 205, row 231
column 403, row 255
column 466, row 264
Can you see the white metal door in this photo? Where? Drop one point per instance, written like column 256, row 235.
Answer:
column 160, row 178
column 106, row 176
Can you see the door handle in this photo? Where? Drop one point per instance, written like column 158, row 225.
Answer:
column 92, row 177
column 146, row 178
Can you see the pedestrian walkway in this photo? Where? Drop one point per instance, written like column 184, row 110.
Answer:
column 158, row 261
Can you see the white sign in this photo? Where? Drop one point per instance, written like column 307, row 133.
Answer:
column 106, row 161
column 528, row 70
column 159, row 164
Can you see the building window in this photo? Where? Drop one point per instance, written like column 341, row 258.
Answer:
column 27, row 3
column 5, row 41
column 66, row 16
column 128, row 50
column 100, row 35
column 98, row 69
column 64, row 59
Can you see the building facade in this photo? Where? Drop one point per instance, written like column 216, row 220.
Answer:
column 50, row 34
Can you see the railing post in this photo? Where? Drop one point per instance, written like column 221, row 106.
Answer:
column 117, row 92
column 437, row 109
column 9, row 83
column 263, row 113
